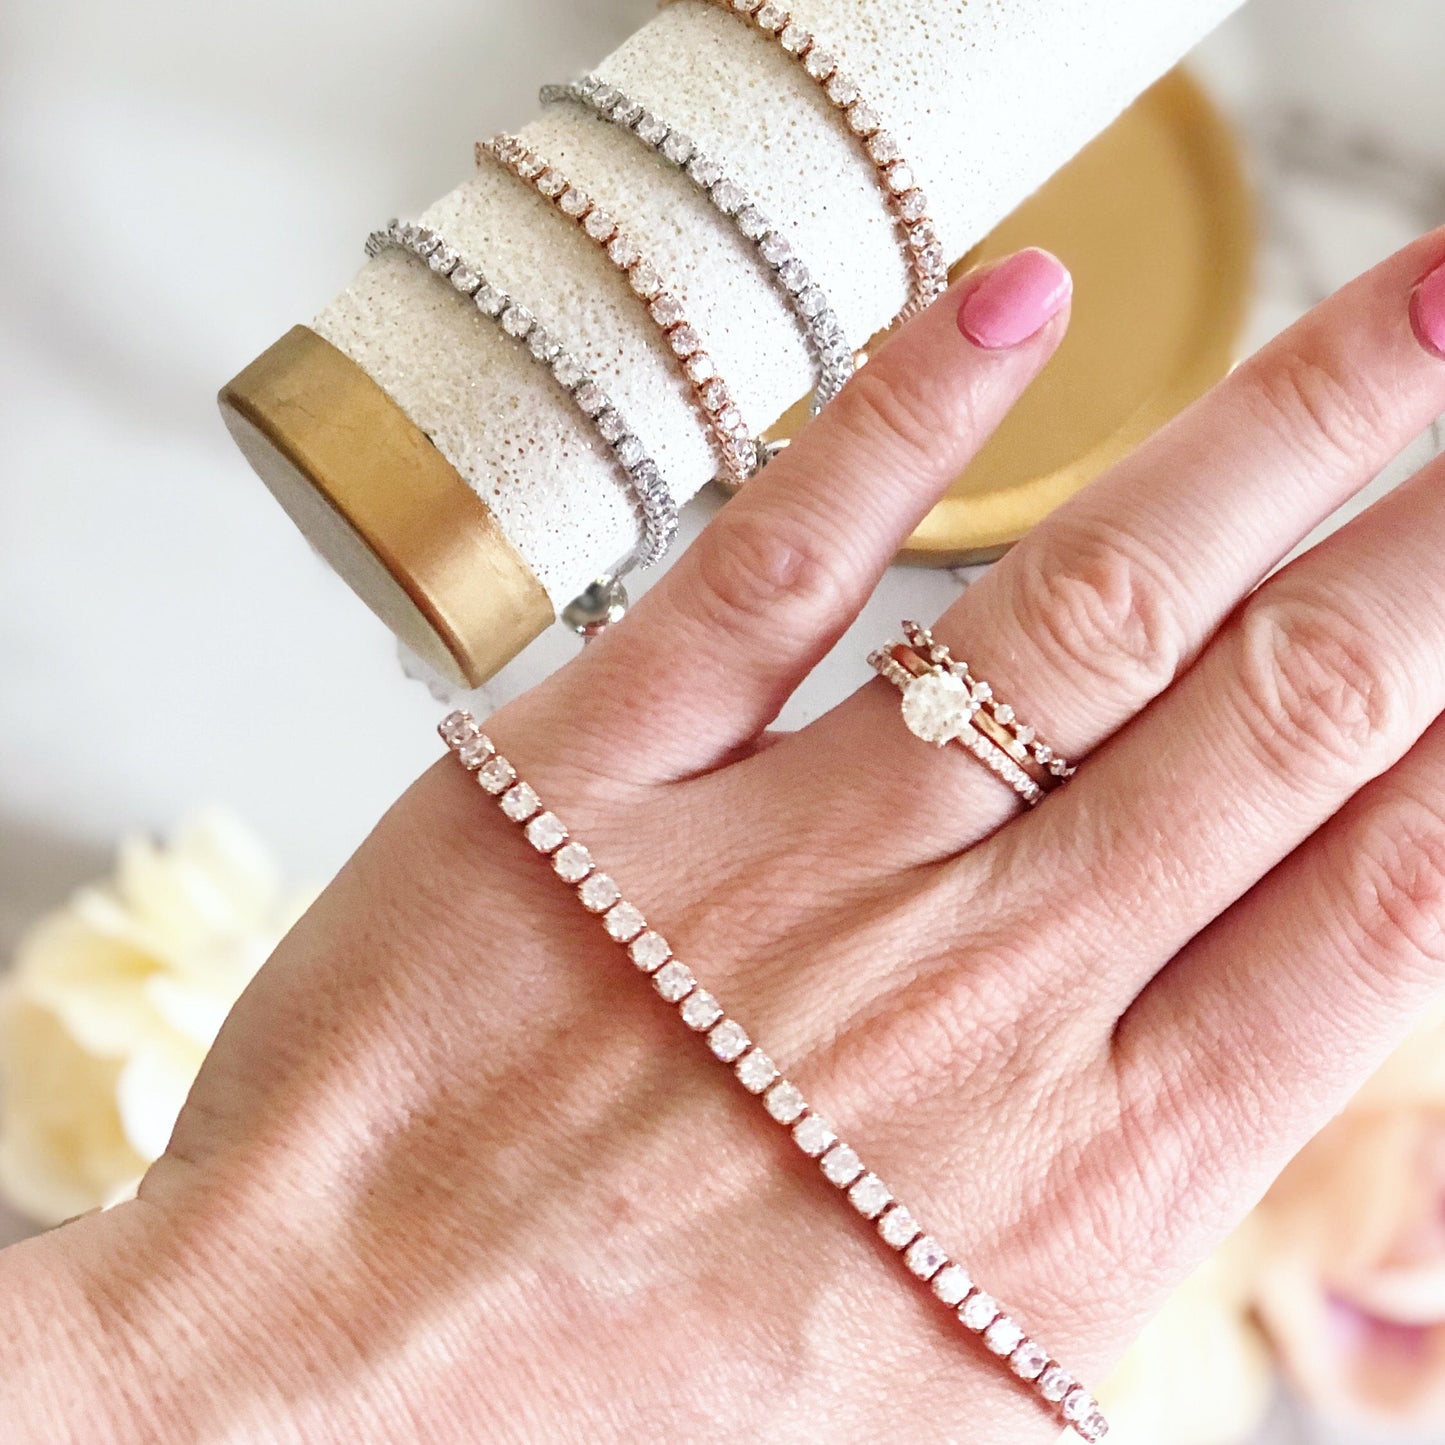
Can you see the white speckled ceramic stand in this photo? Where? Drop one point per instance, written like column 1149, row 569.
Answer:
column 989, row 98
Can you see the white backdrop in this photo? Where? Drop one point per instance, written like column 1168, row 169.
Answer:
column 180, row 183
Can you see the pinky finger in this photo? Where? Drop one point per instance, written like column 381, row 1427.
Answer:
column 1261, row 1030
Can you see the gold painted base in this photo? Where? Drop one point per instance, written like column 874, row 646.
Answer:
column 1155, row 222
column 384, row 507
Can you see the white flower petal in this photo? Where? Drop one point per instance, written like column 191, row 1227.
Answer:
column 150, row 1092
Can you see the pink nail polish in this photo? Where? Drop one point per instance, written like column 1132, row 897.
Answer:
column 1427, row 311
column 1014, row 300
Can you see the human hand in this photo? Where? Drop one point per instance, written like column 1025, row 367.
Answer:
column 451, row 1172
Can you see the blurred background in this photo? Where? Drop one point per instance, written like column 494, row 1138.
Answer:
column 180, row 184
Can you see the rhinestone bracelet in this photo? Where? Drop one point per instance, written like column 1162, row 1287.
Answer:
column 807, row 299
column 904, row 196
column 740, row 451
column 924, row 1258
column 650, row 492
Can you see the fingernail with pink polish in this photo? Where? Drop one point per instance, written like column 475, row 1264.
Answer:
column 1427, row 311
column 1015, row 300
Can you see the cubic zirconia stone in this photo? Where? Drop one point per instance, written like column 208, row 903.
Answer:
column 1028, row 1361
column 704, row 171
column 456, row 727
column 841, row 1166
column 728, row 1040
column 542, row 344
column 841, row 90
column 1003, row 1336
column 936, row 707
column 497, row 775
column 979, row 1311
column 598, row 893
column 645, row 280
column 870, row 1196
column 568, row 370
column 529, row 167
column 699, row 367
column 913, row 205
column 897, row 1227
column 516, row 321
column 1058, row 767
column 627, row 112
column 883, row 148
column 814, row 1135
column 1077, row 1404
column 610, row 426
column 490, row 300
column 623, row 251
column 755, row 1071
column 1055, row 1383
column 700, row 1010
column 794, row 275
column 951, row 1284
column 820, row 63
column 591, row 398
column 551, row 183
column 520, row 803
column 475, row 751
column 667, row 310
column 652, row 129
column 1093, row 1427
column 862, row 118
column 925, row 1257
column 795, row 40
column 752, row 223
column 715, row 395
column 813, row 301
column 572, row 863
column 785, row 1102
column 774, row 248
column 599, row 225
column 678, row 148
column 674, row 980
column 623, row 922
column 574, row 203
column 728, row 197
column 771, row 17
column 684, row 340
column 466, row 280
column 546, row 833
column 649, row 951
column 443, row 260
column 900, row 178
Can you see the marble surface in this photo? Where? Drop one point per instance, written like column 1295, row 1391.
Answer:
column 180, row 184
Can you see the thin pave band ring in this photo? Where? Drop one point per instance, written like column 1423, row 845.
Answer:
column 651, row 494
column 741, row 455
column 924, row 1258
column 806, row 298
column 904, row 196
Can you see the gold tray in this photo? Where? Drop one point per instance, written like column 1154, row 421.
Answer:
column 1155, row 221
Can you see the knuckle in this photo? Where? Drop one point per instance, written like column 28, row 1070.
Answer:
column 1093, row 607
column 1315, row 691
column 1317, row 400
column 758, row 564
column 904, row 416
column 1395, row 889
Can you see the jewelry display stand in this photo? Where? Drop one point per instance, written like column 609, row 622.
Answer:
column 444, row 473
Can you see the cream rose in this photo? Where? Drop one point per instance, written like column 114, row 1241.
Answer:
column 112, row 1004
column 1200, row 1374
column 1351, row 1286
